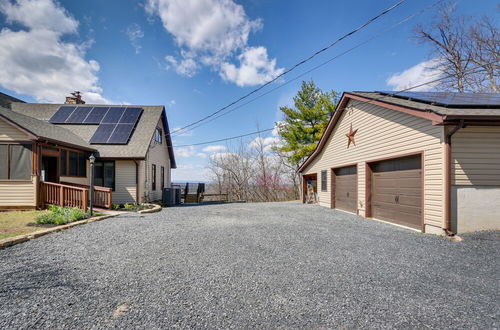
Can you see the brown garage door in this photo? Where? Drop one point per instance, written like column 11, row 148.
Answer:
column 396, row 191
column 346, row 188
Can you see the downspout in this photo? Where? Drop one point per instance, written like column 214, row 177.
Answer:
column 137, row 195
column 448, row 165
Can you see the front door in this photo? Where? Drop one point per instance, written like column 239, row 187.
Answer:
column 49, row 169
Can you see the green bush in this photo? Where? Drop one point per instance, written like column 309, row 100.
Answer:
column 61, row 215
column 129, row 207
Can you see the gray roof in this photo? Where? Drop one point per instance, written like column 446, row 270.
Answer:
column 138, row 144
column 6, row 100
column 445, row 111
column 43, row 130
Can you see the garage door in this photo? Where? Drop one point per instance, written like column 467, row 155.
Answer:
column 346, row 188
column 396, row 191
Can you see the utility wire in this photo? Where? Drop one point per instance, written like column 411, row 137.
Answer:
column 370, row 101
column 226, row 139
column 317, row 66
column 371, row 20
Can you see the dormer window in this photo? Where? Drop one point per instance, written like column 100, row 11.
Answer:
column 158, row 135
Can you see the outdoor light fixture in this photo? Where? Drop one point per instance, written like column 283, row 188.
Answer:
column 91, row 190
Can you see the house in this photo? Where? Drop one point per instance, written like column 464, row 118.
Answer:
column 428, row 161
column 45, row 150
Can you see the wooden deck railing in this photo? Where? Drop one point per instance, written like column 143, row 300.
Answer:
column 102, row 195
column 64, row 195
column 74, row 195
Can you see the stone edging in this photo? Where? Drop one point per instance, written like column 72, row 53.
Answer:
column 26, row 237
column 156, row 208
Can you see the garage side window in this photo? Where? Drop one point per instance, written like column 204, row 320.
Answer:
column 324, row 180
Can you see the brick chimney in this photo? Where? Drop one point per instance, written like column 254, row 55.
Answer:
column 76, row 98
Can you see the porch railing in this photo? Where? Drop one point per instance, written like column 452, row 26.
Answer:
column 102, row 195
column 74, row 195
column 64, row 195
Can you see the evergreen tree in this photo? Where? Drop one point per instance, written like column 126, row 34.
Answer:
column 304, row 124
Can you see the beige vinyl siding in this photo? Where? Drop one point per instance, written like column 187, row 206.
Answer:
column 11, row 133
column 385, row 133
column 18, row 193
column 157, row 155
column 125, row 182
column 476, row 156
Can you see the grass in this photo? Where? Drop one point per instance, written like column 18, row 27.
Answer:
column 14, row 223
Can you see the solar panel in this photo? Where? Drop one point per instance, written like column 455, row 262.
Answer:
column 96, row 115
column 121, row 134
column 451, row 99
column 102, row 133
column 113, row 116
column 62, row 114
column 79, row 115
column 130, row 116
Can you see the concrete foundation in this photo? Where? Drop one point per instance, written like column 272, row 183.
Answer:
column 475, row 208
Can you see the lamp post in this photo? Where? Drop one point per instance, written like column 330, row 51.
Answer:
column 91, row 190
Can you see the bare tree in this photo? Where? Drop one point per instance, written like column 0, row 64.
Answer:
column 459, row 45
column 251, row 172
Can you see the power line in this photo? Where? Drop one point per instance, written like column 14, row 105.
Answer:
column 226, row 139
column 370, row 101
column 317, row 66
column 371, row 20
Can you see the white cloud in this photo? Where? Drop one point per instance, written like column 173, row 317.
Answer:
column 418, row 74
column 135, row 34
column 185, row 67
column 36, row 61
column 214, row 149
column 186, row 152
column 255, row 68
column 39, row 15
column 209, row 33
column 190, row 172
column 267, row 143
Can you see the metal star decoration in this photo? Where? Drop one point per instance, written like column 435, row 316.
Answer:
column 350, row 137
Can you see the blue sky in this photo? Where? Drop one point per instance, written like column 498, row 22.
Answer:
column 197, row 56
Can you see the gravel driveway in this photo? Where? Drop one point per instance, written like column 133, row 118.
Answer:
column 274, row 265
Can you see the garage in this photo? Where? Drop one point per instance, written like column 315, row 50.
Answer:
column 396, row 191
column 424, row 160
column 345, row 188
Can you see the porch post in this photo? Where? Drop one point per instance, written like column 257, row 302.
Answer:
column 91, row 190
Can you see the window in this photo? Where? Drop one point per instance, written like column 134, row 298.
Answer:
column 162, row 178
column 153, row 177
column 82, row 165
column 324, row 180
column 64, row 162
column 158, row 135
column 15, row 162
column 73, row 163
column 104, row 174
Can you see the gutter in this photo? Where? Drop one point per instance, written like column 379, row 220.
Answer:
column 447, row 141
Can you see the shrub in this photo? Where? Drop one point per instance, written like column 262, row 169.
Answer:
column 129, row 207
column 61, row 215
